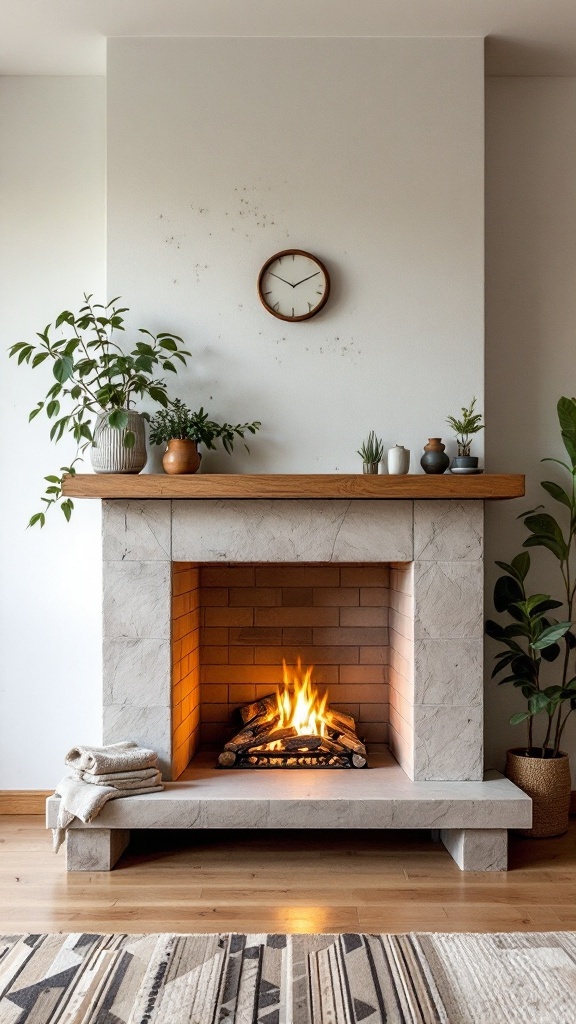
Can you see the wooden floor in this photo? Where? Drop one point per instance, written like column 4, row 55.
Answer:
column 283, row 882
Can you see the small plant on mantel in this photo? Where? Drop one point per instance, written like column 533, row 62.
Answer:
column 183, row 430
column 533, row 638
column 96, row 377
column 371, row 451
column 469, row 424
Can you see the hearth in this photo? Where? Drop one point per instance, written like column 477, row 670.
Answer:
column 294, row 728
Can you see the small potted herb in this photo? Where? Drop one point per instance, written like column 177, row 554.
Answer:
column 371, row 452
column 182, row 431
column 469, row 424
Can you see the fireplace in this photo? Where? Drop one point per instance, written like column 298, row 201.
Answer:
column 204, row 598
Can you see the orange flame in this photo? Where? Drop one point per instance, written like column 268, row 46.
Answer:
column 299, row 703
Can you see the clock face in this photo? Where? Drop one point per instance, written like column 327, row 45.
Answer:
column 294, row 285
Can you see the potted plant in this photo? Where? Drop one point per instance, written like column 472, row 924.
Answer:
column 531, row 639
column 182, row 431
column 371, row 452
column 96, row 377
column 465, row 428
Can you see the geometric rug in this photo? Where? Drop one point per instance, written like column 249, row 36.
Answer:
column 516, row 978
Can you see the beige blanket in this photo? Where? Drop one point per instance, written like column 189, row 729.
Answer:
column 79, row 799
column 122, row 780
column 117, row 757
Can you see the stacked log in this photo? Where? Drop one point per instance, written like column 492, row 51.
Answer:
column 251, row 747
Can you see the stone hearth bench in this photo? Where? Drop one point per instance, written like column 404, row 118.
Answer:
column 471, row 818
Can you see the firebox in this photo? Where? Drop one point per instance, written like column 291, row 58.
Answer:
column 294, row 728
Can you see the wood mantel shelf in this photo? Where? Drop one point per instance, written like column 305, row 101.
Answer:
column 481, row 487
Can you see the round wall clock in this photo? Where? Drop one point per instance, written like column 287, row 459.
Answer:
column 294, row 285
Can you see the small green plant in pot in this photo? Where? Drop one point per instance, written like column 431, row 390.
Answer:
column 532, row 639
column 96, row 382
column 371, row 451
column 470, row 423
column 182, row 430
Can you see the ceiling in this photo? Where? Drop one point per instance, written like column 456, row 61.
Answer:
column 68, row 37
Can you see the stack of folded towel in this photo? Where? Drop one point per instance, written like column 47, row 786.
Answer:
column 100, row 774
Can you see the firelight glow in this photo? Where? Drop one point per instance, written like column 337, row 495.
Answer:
column 300, row 706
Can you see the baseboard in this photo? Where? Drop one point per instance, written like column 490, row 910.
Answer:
column 23, row 801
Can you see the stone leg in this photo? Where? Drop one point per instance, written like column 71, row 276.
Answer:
column 95, row 849
column 477, row 849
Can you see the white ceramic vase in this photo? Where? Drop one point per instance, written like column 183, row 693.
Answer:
column 108, row 454
column 398, row 460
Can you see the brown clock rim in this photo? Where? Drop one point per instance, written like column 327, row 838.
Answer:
column 321, row 304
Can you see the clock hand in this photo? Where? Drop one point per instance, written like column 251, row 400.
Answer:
column 272, row 274
column 305, row 279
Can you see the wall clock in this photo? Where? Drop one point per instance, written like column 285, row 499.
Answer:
column 293, row 285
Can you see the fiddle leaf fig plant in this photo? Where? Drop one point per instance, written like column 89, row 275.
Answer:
column 533, row 636
column 177, row 421
column 94, row 374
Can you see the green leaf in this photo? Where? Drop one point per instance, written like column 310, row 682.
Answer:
column 520, row 716
column 39, row 358
column 129, row 439
column 557, row 492
column 551, row 653
column 546, row 542
column 507, row 591
column 567, row 418
column 521, row 564
column 35, row 412
column 65, row 317
column 65, row 506
column 537, row 703
column 39, row 517
column 52, row 479
column 118, row 418
column 63, row 368
column 551, row 635
column 53, row 408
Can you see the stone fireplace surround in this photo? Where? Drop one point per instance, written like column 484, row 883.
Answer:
column 434, row 676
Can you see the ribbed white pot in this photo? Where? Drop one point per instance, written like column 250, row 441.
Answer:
column 108, row 454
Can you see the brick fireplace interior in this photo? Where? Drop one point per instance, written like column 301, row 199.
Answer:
column 233, row 624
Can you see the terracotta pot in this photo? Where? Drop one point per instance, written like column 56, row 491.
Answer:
column 181, row 456
column 547, row 781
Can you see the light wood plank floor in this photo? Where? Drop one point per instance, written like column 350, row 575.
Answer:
column 283, row 881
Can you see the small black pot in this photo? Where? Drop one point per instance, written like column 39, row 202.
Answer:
column 465, row 462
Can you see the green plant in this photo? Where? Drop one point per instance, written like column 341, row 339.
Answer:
column 533, row 635
column 93, row 375
column 177, row 421
column 372, row 449
column 466, row 427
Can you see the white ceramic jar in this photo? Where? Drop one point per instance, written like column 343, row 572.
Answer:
column 398, row 460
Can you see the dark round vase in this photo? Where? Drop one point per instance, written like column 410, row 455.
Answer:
column 434, row 459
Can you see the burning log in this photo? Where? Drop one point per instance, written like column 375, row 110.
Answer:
column 294, row 729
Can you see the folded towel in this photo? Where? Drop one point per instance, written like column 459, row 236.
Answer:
column 79, row 799
column 117, row 757
column 122, row 780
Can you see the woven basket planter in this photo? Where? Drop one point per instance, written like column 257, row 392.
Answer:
column 547, row 781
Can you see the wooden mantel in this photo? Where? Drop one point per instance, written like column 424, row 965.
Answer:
column 482, row 487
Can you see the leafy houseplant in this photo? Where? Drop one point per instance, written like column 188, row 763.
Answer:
column 94, row 376
column 533, row 638
column 182, row 431
column 371, row 451
column 465, row 428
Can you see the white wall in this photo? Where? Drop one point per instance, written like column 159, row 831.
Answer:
column 368, row 152
column 52, row 229
column 530, row 323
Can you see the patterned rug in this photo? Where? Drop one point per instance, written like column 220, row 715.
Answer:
column 288, row 979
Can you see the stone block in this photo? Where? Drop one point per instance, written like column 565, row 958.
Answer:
column 448, row 743
column 95, row 849
column 448, row 672
column 448, row 531
column 136, row 531
column 147, row 726
column 136, row 671
column 477, row 849
column 137, row 599
column 448, row 600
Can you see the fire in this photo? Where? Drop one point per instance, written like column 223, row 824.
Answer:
column 300, row 706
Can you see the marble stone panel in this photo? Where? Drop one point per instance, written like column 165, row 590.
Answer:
column 136, row 531
column 448, row 672
column 148, row 726
column 137, row 599
column 448, row 531
column 477, row 849
column 448, row 600
column 136, row 672
column 291, row 531
column 448, row 743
